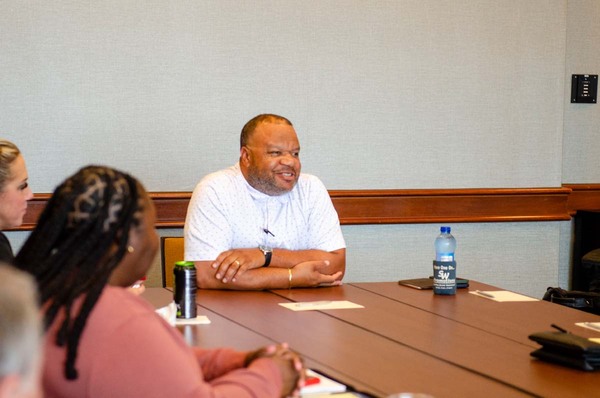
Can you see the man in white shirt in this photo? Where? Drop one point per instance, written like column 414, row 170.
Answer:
column 261, row 224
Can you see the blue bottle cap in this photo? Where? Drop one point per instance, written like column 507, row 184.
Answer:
column 445, row 230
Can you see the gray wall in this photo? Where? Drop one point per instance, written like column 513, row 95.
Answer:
column 384, row 94
column 581, row 135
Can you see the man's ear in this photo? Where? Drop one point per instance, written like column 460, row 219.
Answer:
column 245, row 156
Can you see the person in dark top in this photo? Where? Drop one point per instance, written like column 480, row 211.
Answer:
column 6, row 253
column 14, row 194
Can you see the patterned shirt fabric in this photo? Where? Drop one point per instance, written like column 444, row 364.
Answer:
column 225, row 213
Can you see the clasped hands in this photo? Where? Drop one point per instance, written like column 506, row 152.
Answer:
column 289, row 363
column 231, row 264
column 235, row 262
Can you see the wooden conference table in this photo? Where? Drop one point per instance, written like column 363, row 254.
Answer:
column 404, row 339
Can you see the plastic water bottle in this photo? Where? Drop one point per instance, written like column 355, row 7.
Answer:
column 444, row 266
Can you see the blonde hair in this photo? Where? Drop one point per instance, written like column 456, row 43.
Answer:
column 8, row 153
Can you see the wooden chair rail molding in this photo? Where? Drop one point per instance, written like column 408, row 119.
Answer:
column 411, row 206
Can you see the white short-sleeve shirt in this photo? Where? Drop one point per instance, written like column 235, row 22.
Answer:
column 225, row 213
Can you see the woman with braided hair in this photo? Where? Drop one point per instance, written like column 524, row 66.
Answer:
column 14, row 194
column 95, row 238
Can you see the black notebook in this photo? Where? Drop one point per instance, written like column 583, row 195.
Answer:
column 567, row 349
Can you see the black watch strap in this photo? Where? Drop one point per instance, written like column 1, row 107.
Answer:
column 268, row 256
column 268, row 252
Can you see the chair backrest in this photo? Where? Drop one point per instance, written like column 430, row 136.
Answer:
column 171, row 249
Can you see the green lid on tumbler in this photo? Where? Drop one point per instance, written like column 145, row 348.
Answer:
column 186, row 264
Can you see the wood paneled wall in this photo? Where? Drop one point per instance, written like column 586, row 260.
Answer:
column 411, row 206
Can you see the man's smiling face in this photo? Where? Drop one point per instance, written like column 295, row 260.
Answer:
column 271, row 160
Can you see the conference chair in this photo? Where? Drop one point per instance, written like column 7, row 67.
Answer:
column 171, row 251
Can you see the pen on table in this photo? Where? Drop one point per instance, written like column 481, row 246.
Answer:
column 312, row 303
column 484, row 294
column 555, row 326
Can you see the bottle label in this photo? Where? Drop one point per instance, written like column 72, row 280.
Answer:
column 444, row 277
column 445, row 257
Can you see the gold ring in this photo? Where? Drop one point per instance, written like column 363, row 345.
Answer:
column 237, row 262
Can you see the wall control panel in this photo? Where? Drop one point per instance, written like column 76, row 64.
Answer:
column 584, row 88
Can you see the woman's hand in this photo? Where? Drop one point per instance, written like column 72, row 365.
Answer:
column 289, row 363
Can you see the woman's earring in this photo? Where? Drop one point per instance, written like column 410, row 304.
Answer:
column 130, row 249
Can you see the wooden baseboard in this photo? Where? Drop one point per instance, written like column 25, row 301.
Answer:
column 410, row 206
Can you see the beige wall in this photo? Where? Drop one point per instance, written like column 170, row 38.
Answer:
column 384, row 94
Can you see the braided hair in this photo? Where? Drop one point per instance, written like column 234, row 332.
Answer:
column 71, row 252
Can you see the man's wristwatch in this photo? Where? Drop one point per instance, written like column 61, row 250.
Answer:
column 268, row 252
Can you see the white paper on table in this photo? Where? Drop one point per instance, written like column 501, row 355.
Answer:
column 320, row 305
column 502, row 295
column 169, row 314
column 199, row 320
column 595, row 326
column 325, row 386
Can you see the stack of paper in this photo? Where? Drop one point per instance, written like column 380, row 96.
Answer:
column 318, row 385
column 502, row 295
column 320, row 305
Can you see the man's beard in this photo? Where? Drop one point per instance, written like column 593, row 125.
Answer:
column 265, row 182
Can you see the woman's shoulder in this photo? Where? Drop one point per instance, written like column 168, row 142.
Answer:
column 123, row 298
column 117, row 306
column 122, row 316
column 127, row 344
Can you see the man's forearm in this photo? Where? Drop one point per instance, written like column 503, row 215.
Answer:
column 283, row 258
column 311, row 267
column 254, row 279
